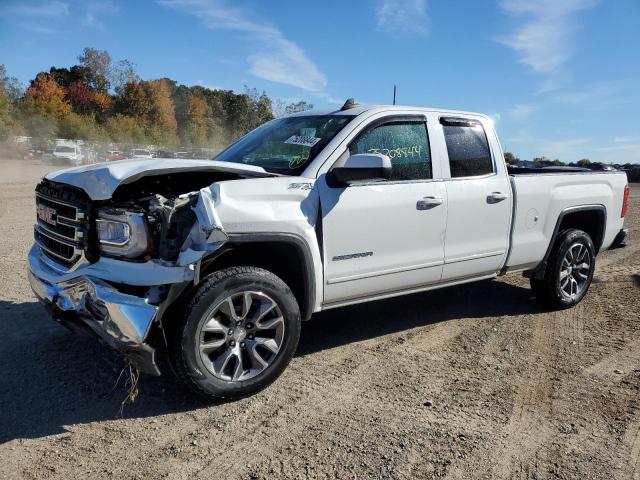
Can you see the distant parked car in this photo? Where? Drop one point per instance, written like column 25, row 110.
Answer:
column 165, row 154
column 47, row 155
column 603, row 167
column 113, row 155
column 140, row 153
column 68, row 154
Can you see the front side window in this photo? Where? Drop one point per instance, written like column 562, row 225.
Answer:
column 469, row 154
column 406, row 143
column 285, row 145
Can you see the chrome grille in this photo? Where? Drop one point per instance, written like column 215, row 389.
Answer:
column 60, row 228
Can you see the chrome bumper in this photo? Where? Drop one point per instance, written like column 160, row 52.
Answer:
column 122, row 320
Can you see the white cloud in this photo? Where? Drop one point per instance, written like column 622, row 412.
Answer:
column 287, row 64
column 46, row 17
column 45, row 9
column 522, row 111
column 94, row 12
column 331, row 99
column 623, row 139
column 277, row 58
column 402, row 17
column 620, row 147
column 544, row 41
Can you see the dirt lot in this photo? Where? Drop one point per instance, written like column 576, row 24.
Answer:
column 470, row 382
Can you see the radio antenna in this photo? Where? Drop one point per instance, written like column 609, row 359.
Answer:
column 394, row 93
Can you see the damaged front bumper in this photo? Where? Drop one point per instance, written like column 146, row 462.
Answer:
column 85, row 297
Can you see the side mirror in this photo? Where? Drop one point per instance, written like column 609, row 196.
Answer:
column 362, row 167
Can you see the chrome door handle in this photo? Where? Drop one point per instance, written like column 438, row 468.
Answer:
column 428, row 202
column 496, row 197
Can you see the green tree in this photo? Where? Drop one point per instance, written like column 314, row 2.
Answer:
column 300, row 106
column 8, row 124
column 82, row 127
column 98, row 67
column 125, row 129
column 67, row 76
column 584, row 162
column 121, row 73
column 510, row 158
column 196, row 122
column 10, row 86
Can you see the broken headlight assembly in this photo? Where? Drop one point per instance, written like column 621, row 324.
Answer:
column 122, row 233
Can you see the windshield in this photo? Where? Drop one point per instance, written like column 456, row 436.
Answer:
column 285, row 145
column 140, row 152
column 65, row 150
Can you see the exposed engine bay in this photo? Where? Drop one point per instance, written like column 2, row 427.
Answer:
column 166, row 206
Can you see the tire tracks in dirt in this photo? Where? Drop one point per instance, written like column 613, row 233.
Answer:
column 528, row 426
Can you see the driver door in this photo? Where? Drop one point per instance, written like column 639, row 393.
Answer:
column 385, row 236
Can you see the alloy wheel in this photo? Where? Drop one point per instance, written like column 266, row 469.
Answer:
column 574, row 270
column 241, row 336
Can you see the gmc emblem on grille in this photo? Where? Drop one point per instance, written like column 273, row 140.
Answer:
column 47, row 214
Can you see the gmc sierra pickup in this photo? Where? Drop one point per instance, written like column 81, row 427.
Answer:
column 213, row 264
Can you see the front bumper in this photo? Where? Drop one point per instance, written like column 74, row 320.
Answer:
column 123, row 321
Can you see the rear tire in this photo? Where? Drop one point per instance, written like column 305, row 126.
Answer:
column 238, row 334
column 569, row 272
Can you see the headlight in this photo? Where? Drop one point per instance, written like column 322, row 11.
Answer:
column 122, row 233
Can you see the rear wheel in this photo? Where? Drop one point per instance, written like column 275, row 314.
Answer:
column 239, row 333
column 570, row 268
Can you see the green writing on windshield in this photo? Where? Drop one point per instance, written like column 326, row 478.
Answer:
column 401, row 152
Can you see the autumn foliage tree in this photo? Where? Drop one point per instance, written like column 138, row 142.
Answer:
column 151, row 104
column 196, row 124
column 98, row 99
column 44, row 96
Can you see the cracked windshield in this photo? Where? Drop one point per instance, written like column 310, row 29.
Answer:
column 285, row 145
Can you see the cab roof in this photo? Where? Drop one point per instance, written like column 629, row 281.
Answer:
column 359, row 109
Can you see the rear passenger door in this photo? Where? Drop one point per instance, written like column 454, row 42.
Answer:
column 479, row 199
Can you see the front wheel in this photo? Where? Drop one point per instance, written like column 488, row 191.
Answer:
column 569, row 271
column 238, row 334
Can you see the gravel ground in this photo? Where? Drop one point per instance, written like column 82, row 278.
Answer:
column 475, row 381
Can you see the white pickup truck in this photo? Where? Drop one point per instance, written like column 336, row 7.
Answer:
column 213, row 264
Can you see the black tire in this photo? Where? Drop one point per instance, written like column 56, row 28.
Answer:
column 185, row 342
column 549, row 290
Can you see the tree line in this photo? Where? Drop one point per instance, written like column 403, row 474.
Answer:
column 540, row 162
column 101, row 100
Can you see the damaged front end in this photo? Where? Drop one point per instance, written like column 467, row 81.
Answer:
column 113, row 265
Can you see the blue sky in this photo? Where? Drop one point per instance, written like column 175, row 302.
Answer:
column 560, row 77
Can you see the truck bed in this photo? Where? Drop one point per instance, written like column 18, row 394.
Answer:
column 540, row 198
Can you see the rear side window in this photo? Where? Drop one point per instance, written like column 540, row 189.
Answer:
column 469, row 154
column 406, row 143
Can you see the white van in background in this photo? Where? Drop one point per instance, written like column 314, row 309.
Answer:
column 69, row 154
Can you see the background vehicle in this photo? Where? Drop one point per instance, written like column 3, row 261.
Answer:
column 113, row 155
column 215, row 263
column 165, row 154
column 603, row 167
column 140, row 153
column 68, row 154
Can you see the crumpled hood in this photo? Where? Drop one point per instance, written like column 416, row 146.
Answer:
column 100, row 180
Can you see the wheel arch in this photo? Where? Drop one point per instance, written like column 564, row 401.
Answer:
column 591, row 219
column 286, row 255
